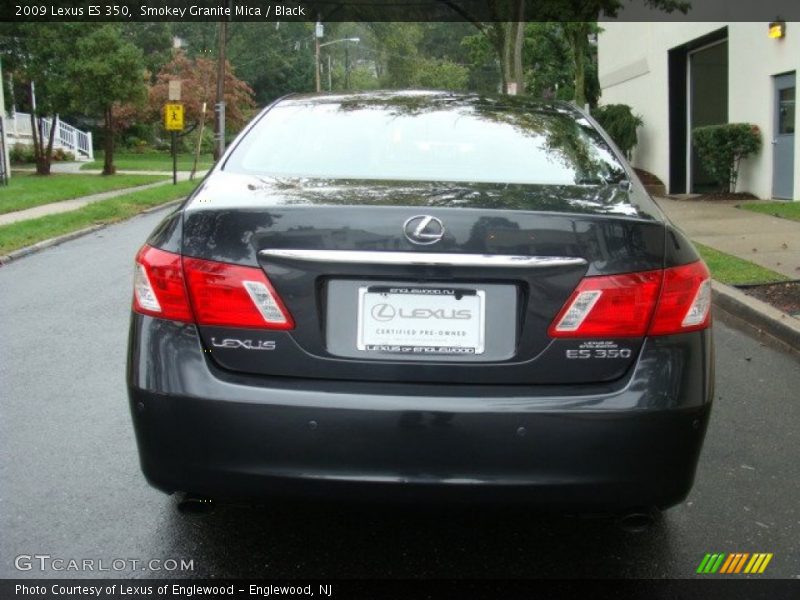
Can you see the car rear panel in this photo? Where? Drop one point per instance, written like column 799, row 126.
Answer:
column 607, row 422
column 628, row 443
column 244, row 220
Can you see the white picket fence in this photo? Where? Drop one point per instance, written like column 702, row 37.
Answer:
column 67, row 137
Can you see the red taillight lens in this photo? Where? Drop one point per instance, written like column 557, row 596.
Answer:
column 675, row 300
column 685, row 301
column 158, row 286
column 221, row 294
column 609, row 306
column 234, row 296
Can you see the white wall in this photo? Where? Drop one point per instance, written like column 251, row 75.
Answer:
column 633, row 70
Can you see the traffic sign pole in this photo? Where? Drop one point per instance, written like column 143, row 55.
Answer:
column 173, row 122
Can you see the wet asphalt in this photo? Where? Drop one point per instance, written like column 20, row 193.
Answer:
column 70, row 485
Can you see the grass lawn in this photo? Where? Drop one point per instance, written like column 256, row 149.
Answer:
column 25, row 190
column 736, row 271
column 151, row 161
column 785, row 210
column 25, row 233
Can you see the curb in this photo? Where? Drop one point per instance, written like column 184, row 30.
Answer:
column 48, row 243
column 760, row 317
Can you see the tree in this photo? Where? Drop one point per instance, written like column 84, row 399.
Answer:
column 580, row 19
column 505, row 32
column 106, row 71
column 198, row 86
column 33, row 54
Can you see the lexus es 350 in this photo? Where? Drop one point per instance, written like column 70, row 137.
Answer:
column 422, row 293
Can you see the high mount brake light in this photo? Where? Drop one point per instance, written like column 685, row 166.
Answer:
column 675, row 300
column 169, row 286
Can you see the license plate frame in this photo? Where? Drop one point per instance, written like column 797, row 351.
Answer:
column 416, row 320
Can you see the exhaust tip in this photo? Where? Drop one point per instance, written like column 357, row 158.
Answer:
column 638, row 521
column 195, row 506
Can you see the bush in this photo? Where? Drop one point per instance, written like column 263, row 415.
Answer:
column 722, row 147
column 20, row 153
column 620, row 123
column 59, row 154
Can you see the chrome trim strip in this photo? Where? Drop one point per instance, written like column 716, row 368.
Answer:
column 423, row 258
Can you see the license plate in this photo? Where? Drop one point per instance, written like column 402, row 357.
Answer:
column 420, row 320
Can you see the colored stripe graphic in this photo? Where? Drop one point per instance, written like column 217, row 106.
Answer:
column 711, row 563
column 732, row 559
column 741, row 562
column 734, row 563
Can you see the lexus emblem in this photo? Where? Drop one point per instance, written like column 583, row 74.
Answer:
column 423, row 230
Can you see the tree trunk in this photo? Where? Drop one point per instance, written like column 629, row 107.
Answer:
column 507, row 59
column 108, row 163
column 519, row 73
column 578, row 36
column 44, row 168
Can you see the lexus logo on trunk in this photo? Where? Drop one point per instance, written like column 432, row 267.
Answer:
column 423, row 230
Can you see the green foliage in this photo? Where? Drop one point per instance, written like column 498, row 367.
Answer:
column 105, row 69
column 24, row 233
column 733, row 270
column 21, row 154
column 29, row 190
column 620, row 123
column 104, row 76
column 722, row 147
column 441, row 74
column 784, row 210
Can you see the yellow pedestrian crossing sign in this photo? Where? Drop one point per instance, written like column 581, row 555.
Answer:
column 173, row 117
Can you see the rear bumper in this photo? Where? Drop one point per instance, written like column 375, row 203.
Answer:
column 205, row 431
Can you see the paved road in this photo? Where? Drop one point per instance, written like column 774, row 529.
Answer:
column 70, row 485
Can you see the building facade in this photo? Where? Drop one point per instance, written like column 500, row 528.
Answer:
column 682, row 75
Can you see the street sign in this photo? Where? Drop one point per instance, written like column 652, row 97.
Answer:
column 173, row 117
column 174, row 90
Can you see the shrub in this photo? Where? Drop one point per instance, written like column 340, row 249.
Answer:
column 59, row 154
column 620, row 123
column 722, row 147
column 20, row 153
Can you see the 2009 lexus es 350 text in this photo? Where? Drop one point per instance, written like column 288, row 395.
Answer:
column 408, row 292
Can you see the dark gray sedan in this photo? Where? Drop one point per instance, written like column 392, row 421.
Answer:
column 419, row 293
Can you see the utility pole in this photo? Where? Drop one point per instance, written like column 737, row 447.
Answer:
column 318, row 33
column 219, row 109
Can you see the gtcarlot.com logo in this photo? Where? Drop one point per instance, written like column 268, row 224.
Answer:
column 46, row 562
column 734, row 563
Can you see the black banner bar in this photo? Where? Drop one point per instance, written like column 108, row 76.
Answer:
column 152, row 589
column 389, row 10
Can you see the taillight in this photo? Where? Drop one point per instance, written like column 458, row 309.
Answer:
column 675, row 300
column 234, row 296
column 169, row 286
column 609, row 306
column 158, row 286
column 685, row 301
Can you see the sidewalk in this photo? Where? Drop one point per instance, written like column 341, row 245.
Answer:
column 768, row 241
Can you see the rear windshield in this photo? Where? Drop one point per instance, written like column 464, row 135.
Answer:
column 422, row 141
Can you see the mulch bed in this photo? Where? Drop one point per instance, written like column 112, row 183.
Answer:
column 783, row 296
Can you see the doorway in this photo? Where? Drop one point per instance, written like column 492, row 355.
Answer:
column 783, row 139
column 707, row 97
